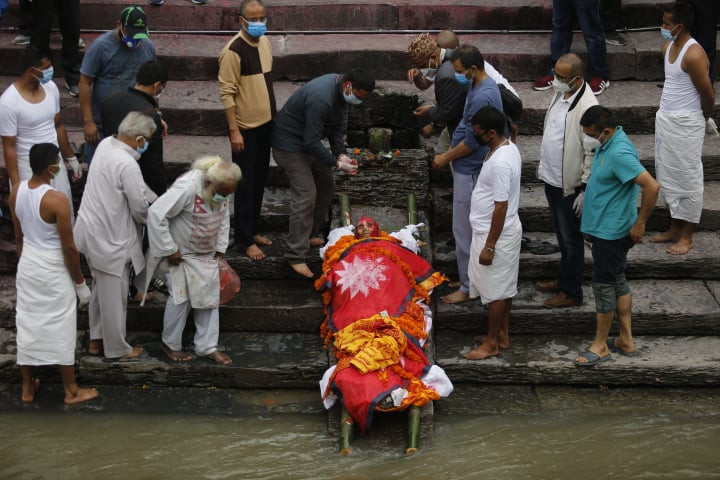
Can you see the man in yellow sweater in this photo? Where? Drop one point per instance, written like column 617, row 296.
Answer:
column 247, row 95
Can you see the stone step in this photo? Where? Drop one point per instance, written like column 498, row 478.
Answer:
column 548, row 359
column 325, row 15
column 535, row 215
column 660, row 307
column 648, row 260
column 529, row 146
column 518, row 56
column 194, row 108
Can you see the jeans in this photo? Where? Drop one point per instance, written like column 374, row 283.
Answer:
column 570, row 241
column 588, row 15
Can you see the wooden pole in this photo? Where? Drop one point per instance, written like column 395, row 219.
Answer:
column 345, row 210
column 412, row 212
column 346, row 428
column 413, row 431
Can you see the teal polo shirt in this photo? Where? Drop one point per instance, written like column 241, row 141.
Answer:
column 610, row 208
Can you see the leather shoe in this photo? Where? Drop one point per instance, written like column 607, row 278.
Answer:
column 550, row 286
column 562, row 301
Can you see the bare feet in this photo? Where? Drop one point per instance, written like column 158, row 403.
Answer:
column 95, row 348
column 302, row 269
column 664, row 237
column 176, row 355
column 681, row 247
column 254, row 252
column 503, row 343
column 134, row 353
column 455, row 284
column 29, row 390
column 262, row 240
column 317, row 242
column 220, row 357
column 139, row 296
column 80, row 396
column 458, row 296
column 482, row 352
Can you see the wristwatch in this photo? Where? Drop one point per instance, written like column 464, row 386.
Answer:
column 490, row 249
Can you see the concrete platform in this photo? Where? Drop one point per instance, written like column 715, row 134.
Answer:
column 370, row 15
column 648, row 260
column 548, row 359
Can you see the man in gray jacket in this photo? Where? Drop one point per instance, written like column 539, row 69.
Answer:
column 316, row 111
column 564, row 167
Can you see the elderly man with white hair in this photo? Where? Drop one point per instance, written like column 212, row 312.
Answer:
column 108, row 231
column 189, row 226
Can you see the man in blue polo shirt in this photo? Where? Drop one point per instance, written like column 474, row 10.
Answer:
column 467, row 155
column 611, row 219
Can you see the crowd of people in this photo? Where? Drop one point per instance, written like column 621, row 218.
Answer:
column 137, row 233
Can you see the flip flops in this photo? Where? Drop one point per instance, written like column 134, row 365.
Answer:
column 614, row 349
column 592, row 359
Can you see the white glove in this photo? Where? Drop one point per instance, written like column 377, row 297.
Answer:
column 83, row 294
column 347, row 164
column 75, row 167
column 578, row 204
column 711, row 128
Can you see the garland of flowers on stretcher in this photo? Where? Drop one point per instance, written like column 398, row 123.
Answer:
column 354, row 343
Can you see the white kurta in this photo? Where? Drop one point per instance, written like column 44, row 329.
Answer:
column 113, row 208
column 46, row 317
column 181, row 220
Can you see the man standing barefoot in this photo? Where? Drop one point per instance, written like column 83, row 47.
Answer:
column 48, row 278
column 496, row 230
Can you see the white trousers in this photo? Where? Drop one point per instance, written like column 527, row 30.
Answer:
column 107, row 311
column 207, row 325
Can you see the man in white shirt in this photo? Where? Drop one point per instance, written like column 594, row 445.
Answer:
column 189, row 225
column 107, row 231
column 30, row 114
column 496, row 230
column 564, row 168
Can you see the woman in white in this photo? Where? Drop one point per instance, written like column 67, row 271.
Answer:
column 30, row 114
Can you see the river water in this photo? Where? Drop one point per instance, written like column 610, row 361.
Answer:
column 631, row 445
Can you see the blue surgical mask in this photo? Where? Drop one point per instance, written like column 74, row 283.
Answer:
column 256, row 29
column 47, row 75
column 667, row 34
column 217, row 198
column 144, row 148
column 351, row 98
column 128, row 41
column 460, row 77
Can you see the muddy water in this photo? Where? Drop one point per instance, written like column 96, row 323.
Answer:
column 75, row 445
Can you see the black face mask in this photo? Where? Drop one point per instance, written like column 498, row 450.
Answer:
column 481, row 142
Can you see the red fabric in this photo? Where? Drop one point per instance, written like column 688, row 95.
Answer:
column 365, row 283
column 375, row 229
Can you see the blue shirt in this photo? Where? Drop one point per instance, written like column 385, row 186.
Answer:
column 113, row 66
column 610, row 208
column 484, row 94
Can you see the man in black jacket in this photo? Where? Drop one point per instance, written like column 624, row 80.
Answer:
column 142, row 97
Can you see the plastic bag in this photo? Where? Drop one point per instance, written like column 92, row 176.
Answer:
column 229, row 281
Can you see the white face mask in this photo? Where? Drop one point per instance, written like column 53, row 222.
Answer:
column 591, row 143
column 561, row 86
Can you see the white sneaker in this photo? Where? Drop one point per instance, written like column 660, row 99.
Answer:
column 81, row 43
column 21, row 40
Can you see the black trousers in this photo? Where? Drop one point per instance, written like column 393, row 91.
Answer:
column 254, row 162
column 609, row 14
column 707, row 14
column 68, row 15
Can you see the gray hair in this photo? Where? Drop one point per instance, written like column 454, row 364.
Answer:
column 136, row 124
column 217, row 170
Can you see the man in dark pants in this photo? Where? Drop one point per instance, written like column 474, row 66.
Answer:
column 246, row 92
column 68, row 15
column 142, row 97
column 316, row 111
column 707, row 14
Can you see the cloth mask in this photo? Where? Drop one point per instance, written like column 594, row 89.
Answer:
column 47, row 75
column 256, row 29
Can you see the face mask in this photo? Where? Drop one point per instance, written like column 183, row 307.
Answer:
column 55, row 174
column 667, row 34
column 429, row 73
column 256, row 29
column 460, row 77
column 561, row 86
column 157, row 94
column 590, row 143
column 144, row 148
column 351, row 98
column 47, row 75
column 217, row 198
column 128, row 41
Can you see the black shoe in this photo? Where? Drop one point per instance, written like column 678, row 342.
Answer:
column 612, row 37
